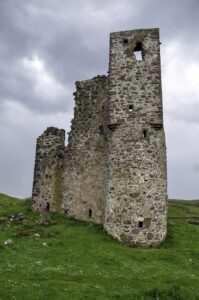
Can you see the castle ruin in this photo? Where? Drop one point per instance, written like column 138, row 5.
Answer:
column 113, row 170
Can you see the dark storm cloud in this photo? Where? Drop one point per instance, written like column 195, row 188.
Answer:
column 45, row 46
column 72, row 37
column 175, row 18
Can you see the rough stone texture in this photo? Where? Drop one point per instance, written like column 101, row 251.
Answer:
column 85, row 164
column 136, row 202
column 113, row 170
column 48, row 171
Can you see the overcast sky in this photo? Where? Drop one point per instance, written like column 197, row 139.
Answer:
column 47, row 45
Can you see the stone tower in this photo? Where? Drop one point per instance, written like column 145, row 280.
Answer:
column 46, row 194
column 136, row 199
column 113, row 170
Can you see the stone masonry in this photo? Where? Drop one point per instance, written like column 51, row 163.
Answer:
column 113, row 170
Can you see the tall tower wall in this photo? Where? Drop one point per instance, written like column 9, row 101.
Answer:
column 136, row 197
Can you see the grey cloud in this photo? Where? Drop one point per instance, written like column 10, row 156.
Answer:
column 177, row 18
column 75, row 47
column 71, row 37
column 196, row 167
column 187, row 113
column 15, row 85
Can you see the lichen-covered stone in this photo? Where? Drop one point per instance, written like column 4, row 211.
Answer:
column 113, row 170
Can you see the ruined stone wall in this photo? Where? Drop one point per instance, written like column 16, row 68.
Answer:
column 47, row 192
column 136, row 203
column 84, row 177
column 113, row 170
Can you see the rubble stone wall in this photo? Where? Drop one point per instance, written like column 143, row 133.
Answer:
column 136, row 203
column 84, row 178
column 113, row 170
column 46, row 194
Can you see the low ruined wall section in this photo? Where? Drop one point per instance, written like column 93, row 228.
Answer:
column 49, row 159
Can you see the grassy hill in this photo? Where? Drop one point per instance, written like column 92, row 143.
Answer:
column 76, row 260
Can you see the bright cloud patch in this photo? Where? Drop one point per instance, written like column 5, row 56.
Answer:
column 181, row 103
column 180, row 83
column 45, row 85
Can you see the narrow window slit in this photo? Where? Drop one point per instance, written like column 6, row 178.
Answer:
column 60, row 155
column 47, row 208
column 90, row 213
column 101, row 129
column 130, row 107
column 65, row 211
column 145, row 133
column 125, row 41
column 138, row 51
column 140, row 224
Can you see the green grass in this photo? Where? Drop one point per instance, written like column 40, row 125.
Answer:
column 77, row 260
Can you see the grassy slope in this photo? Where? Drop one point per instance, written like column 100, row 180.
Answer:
column 79, row 261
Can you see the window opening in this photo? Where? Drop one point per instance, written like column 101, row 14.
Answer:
column 138, row 51
column 144, row 133
column 130, row 107
column 65, row 211
column 125, row 41
column 140, row 224
column 101, row 129
column 90, row 213
column 60, row 155
column 47, row 209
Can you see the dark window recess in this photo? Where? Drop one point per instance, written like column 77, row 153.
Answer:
column 138, row 51
column 47, row 208
column 130, row 107
column 90, row 213
column 140, row 224
column 144, row 133
column 65, row 211
column 125, row 41
column 60, row 155
column 101, row 129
